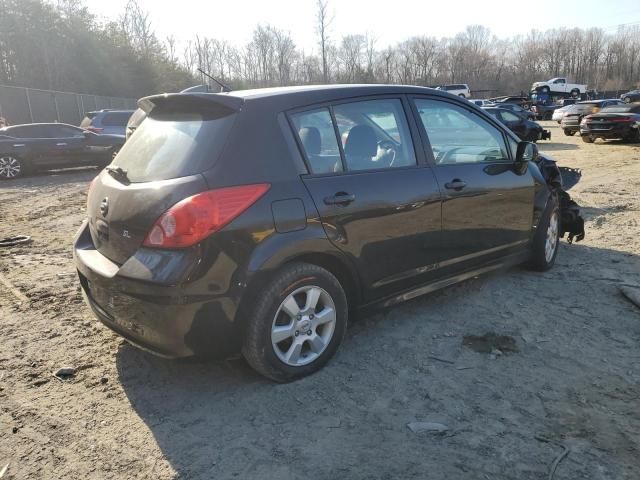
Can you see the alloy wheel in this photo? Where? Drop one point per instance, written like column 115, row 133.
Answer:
column 10, row 167
column 551, row 242
column 303, row 326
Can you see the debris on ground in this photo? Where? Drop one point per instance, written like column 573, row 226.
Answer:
column 490, row 343
column 65, row 372
column 431, row 427
column 558, row 459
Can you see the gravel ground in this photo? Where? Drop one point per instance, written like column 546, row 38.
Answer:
column 568, row 375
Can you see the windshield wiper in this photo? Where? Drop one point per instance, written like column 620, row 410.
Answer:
column 118, row 173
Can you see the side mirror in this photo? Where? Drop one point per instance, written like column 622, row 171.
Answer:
column 527, row 152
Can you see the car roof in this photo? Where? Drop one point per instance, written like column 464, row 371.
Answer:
column 289, row 97
column 286, row 98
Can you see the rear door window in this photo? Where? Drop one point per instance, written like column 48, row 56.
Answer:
column 174, row 145
column 317, row 136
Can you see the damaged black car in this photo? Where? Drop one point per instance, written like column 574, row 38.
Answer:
column 526, row 129
column 259, row 221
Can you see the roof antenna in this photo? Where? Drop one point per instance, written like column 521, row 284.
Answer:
column 223, row 87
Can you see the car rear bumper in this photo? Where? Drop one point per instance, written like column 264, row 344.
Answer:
column 572, row 127
column 169, row 320
column 609, row 131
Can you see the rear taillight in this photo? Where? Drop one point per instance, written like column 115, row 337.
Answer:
column 195, row 218
column 94, row 129
column 620, row 119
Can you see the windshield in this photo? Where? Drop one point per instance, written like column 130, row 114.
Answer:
column 171, row 146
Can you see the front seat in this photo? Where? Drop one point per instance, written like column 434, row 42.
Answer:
column 361, row 146
column 312, row 143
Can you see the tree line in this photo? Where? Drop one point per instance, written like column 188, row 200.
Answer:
column 62, row 46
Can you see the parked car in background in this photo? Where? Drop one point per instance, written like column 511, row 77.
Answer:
column 546, row 110
column 570, row 122
column 39, row 146
column 616, row 121
column 524, row 102
column 113, row 122
column 525, row 129
column 481, row 102
column 631, row 96
column 517, row 109
column 559, row 85
column 459, row 89
column 559, row 112
column 237, row 221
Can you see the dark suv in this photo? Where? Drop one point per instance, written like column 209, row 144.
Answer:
column 259, row 220
column 113, row 122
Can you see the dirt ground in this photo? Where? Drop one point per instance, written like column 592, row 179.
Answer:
column 569, row 374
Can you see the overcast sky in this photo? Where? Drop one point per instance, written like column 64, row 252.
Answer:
column 389, row 21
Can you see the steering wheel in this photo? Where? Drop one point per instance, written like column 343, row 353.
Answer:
column 390, row 150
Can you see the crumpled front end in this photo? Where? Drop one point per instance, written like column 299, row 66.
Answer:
column 559, row 180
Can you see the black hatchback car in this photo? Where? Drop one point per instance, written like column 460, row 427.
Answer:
column 259, row 220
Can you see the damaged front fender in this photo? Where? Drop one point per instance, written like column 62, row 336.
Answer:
column 559, row 180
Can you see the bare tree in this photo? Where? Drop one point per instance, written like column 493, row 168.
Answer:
column 324, row 20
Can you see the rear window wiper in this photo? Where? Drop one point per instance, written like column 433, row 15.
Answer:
column 118, row 173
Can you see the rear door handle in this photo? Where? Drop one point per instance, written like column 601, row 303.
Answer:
column 61, row 144
column 455, row 184
column 340, row 198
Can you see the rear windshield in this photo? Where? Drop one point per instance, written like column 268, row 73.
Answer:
column 173, row 145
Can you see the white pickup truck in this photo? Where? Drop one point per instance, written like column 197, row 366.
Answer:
column 559, row 85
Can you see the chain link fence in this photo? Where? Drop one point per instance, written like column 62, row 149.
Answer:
column 29, row 105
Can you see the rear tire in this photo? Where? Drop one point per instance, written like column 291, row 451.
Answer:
column 627, row 100
column 462, row 95
column 575, row 92
column 587, row 139
column 12, row 167
column 569, row 133
column 297, row 324
column 546, row 240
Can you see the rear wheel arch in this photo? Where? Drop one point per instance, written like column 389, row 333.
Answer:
column 339, row 269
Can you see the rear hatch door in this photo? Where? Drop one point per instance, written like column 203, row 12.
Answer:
column 161, row 164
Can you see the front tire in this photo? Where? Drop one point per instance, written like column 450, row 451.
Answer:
column 569, row 133
column 546, row 240
column 12, row 167
column 297, row 324
column 587, row 139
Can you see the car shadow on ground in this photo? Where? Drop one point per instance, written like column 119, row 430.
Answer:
column 51, row 178
column 221, row 418
column 552, row 146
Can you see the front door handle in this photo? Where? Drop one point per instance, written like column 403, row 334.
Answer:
column 340, row 198
column 61, row 144
column 455, row 184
